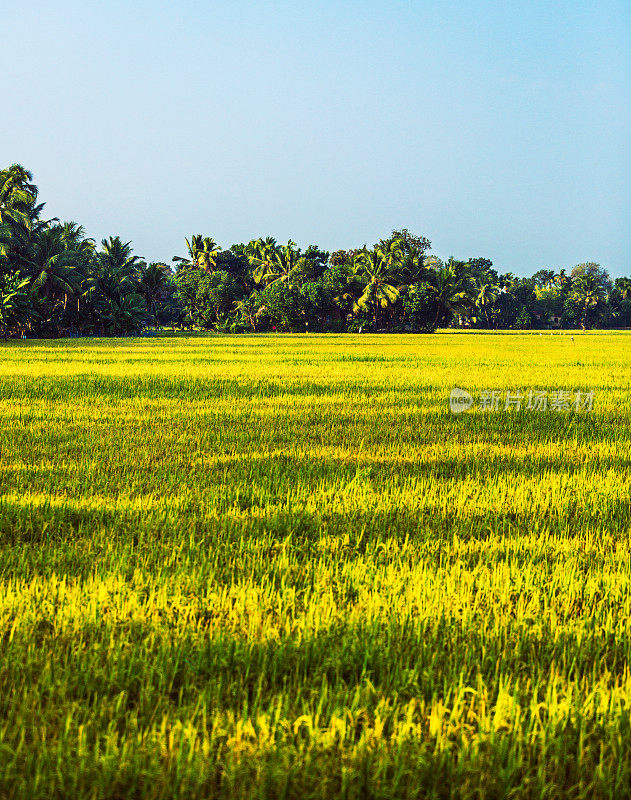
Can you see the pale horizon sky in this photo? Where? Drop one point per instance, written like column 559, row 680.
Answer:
column 497, row 129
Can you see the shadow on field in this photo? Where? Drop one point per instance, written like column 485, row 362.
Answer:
column 191, row 386
column 238, row 537
column 174, row 662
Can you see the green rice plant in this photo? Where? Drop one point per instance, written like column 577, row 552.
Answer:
column 279, row 566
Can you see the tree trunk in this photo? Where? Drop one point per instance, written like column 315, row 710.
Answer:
column 436, row 317
column 4, row 321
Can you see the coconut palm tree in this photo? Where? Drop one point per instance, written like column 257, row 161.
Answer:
column 261, row 254
column 153, row 283
column 52, row 266
column 374, row 270
column 202, row 253
column 117, row 256
column 18, row 196
column 348, row 291
column 486, row 295
column 588, row 293
column 114, row 275
column 453, row 290
column 563, row 280
column 6, row 240
column 113, row 287
column 623, row 285
column 74, row 237
column 272, row 264
column 116, row 269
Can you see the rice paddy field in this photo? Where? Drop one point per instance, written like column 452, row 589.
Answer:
column 280, row 567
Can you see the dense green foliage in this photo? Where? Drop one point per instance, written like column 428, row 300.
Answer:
column 277, row 566
column 75, row 288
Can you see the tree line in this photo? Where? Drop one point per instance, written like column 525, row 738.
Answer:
column 56, row 281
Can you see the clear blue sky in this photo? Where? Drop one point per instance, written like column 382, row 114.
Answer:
column 498, row 129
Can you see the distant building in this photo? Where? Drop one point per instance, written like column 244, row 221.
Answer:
column 553, row 321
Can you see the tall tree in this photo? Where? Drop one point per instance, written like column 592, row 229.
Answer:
column 112, row 288
column 600, row 274
column 409, row 244
column 453, row 291
column 18, row 196
column 272, row 264
column 589, row 296
column 154, row 282
column 374, row 269
column 52, row 266
column 261, row 254
column 486, row 296
column 202, row 253
column 544, row 278
column 116, row 268
column 623, row 285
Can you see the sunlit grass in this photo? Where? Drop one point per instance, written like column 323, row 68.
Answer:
column 267, row 566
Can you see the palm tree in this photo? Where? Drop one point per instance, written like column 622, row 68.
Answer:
column 52, row 266
column 588, row 293
column 563, row 280
column 19, row 210
column 453, row 290
column 261, row 254
column 116, row 268
column 486, row 295
column 153, row 282
column 623, row 285
column 374, row 269
column 272, row 264
column 6, row 240
column 202, row 253
column 113, row 287
column 116, row 255
column 348, row 294
column 18, row 195
column 268, row 242
column 508, row 281
column 75, row 238
column 115, row 274
column 192, row 247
